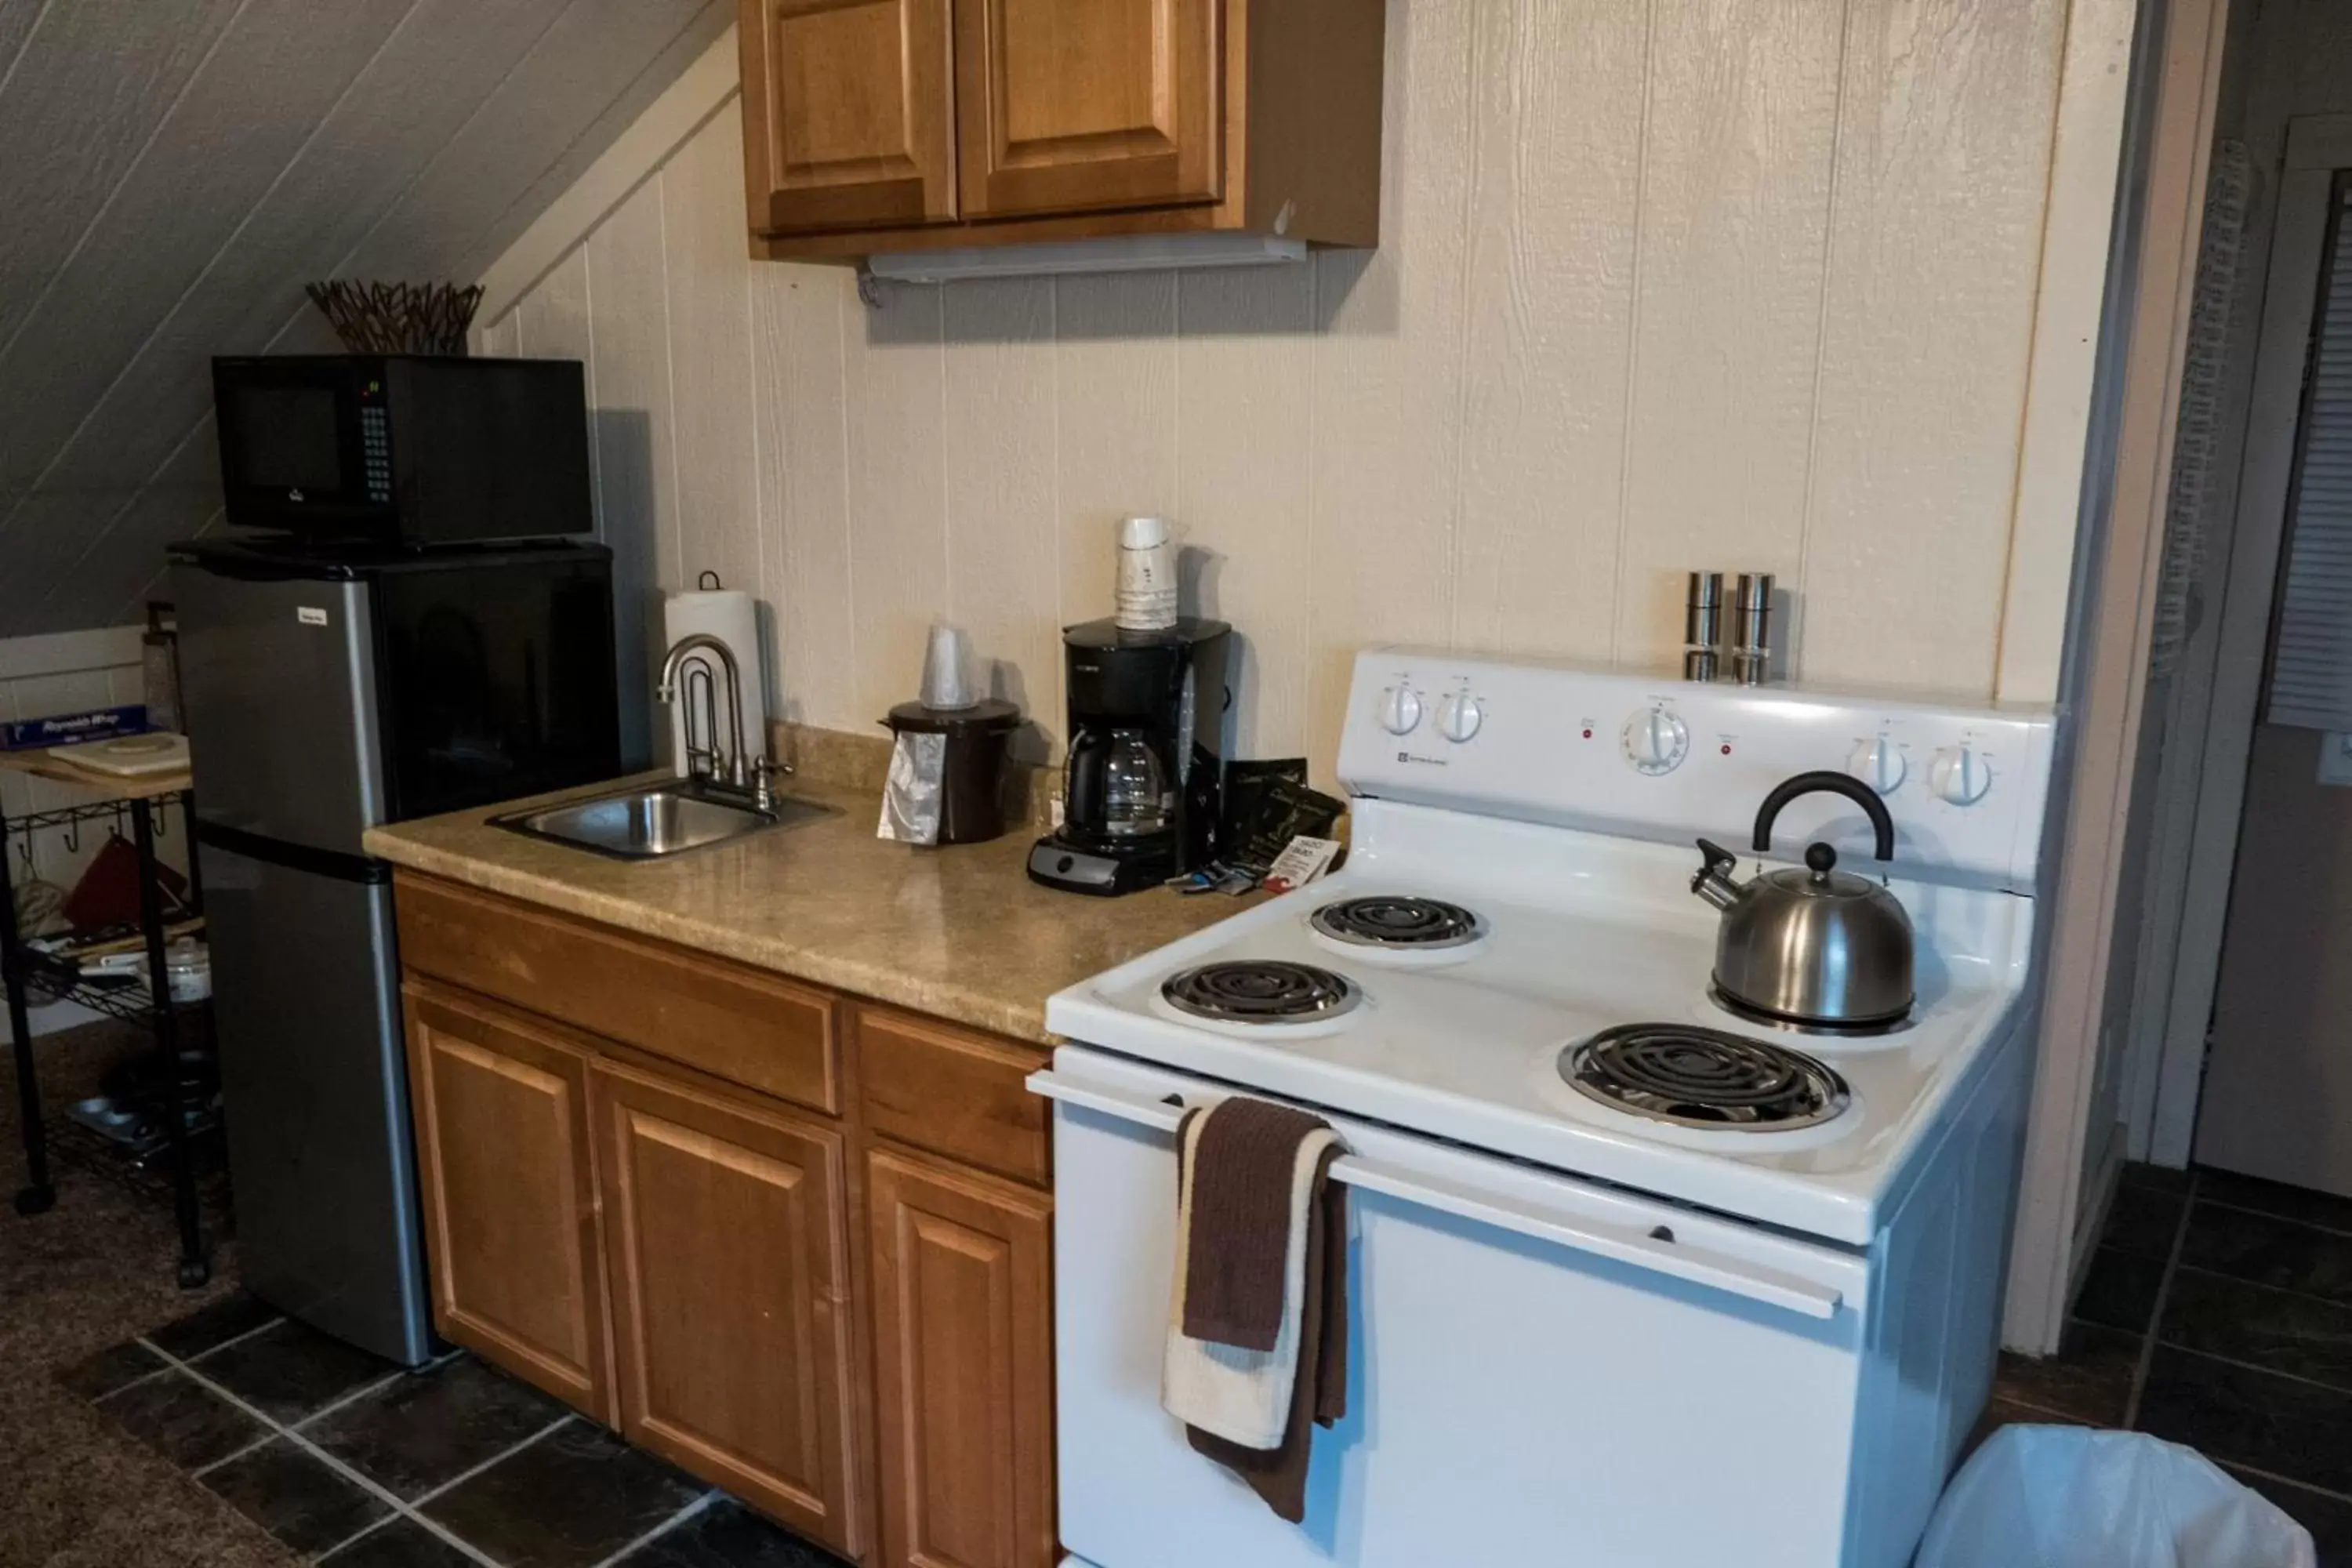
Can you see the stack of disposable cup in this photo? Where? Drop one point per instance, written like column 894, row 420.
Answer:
column 1147, row 576
column 947, row 678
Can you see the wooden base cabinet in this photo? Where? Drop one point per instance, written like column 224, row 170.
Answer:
column 730, row 1309
column 796, row 1243
column 511, row 1228
column 963, row 1359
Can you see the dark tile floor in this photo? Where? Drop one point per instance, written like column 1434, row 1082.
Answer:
column 354, row 1462
column 2217, row 1314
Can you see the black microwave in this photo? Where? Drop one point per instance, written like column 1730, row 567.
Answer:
column 400, row 450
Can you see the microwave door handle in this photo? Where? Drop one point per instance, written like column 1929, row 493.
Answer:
column 1502, row 1212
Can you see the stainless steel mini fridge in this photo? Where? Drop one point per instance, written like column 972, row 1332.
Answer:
column 328, row 691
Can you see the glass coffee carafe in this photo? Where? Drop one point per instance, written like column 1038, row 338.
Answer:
column 1118, row 785
column 1138, row 796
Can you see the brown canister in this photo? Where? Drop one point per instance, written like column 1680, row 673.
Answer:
column 972, row 773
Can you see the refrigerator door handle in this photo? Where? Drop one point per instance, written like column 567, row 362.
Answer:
column 334, row 863
column 1655, row 1249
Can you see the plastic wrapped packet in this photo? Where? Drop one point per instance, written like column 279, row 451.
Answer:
column 911, row 796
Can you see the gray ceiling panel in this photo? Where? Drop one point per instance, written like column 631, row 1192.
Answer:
column 195, row 161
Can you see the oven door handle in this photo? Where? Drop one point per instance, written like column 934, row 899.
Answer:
column 1660, row 1255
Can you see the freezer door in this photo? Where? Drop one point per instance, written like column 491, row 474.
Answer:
column 315, row 1098
column 278, row 676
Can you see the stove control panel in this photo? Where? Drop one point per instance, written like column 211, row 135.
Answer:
column 1647, row 755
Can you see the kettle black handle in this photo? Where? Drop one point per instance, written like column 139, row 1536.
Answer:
column 1882, row 823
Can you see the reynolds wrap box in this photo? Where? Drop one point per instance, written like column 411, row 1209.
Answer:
column 72, row 729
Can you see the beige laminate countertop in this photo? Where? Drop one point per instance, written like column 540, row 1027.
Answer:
column 961, row 934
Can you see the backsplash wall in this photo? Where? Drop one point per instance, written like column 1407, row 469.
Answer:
column 1747, row 284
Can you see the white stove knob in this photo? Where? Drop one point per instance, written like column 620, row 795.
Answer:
column 1400, row 709
column 1880, row 763
column 1459, row 716
column 1655, row 740
column 1959, row 775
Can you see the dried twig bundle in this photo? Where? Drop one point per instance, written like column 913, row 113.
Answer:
column 398, row 318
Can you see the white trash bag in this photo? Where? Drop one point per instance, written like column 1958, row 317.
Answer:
column 2074, row 1497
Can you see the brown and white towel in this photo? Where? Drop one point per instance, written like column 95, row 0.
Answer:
column 1257, row 1334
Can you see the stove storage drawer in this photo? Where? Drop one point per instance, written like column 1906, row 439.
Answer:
column 1534, row 1360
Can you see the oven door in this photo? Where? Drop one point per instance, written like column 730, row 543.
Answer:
column 1542, row 1370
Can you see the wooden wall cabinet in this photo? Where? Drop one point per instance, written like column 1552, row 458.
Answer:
column 877, row 126
column 795, row 1243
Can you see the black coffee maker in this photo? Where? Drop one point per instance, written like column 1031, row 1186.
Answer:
column 1149, row 714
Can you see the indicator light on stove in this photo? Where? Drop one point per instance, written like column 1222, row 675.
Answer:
column 1878, row 763
column 1459, row 716
column 1959, row 775
column 1400, row 709
column 1655, row 742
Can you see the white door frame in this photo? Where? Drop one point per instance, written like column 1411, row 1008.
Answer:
column 2072, row 1144
column 2317, row 146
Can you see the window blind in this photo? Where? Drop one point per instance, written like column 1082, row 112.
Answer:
column 2311, row 661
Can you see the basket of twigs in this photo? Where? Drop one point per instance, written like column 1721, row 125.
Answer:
column 398, row 318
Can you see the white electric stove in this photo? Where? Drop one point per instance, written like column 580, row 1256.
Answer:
column 1635, row 1278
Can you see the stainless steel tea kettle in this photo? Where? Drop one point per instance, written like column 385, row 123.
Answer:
column 1814, row 947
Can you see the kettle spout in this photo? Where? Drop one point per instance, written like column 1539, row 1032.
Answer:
column 1712, row 883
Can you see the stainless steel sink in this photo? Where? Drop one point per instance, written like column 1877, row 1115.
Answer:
column 648, row 823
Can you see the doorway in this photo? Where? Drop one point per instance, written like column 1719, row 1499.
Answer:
column 2232, row 995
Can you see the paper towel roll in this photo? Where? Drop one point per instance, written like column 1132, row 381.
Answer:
column 733, row 616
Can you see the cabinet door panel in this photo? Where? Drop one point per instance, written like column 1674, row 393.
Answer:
column 1079, row 105
column 963, row 1367
column 509, row 1197
column 730, row 1277
column 848, row 113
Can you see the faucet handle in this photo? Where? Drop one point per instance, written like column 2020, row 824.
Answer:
column 764, row 774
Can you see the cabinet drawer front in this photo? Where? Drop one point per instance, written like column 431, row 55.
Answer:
column 737, row 1023
column 959, row 1094
column 963, row 1352
column 730, row 1269
column 1080, row 105
column 848, row 113
column 509, row 1198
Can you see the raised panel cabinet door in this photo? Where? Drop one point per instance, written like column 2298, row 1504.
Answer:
column 963, row 1354
column 848, row 113
column 509, row 1193
column 1080, row 105
column 731, row 1318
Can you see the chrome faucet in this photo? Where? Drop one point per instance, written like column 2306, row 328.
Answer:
column 743, row 773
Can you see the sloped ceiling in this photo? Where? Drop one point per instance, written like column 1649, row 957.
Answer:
column 172, row 172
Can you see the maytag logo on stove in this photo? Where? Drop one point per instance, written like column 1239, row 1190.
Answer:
column 1432, row 762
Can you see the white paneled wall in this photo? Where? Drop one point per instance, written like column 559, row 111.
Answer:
column 1744, row 284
